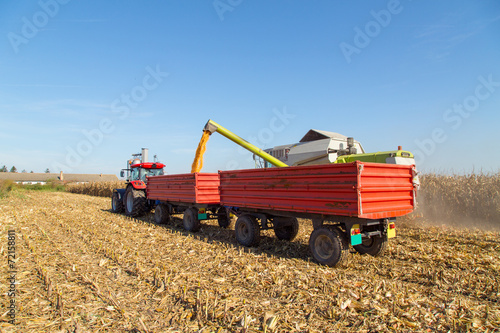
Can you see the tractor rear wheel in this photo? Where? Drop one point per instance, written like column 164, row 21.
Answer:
column 286, row 228
column 247, row 230
column 374, row 246
column 190, row 220
column 116, row 203
column 328, row 246
column 135, row 202
column 162, row 214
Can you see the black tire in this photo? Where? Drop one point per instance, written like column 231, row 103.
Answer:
column 135, row 202
column 223, row 218
column 162, row 214
column 317, row 223
column 190, row 220
column 247, row 230
column 374, row 246
column 116, row 203
column 328, row 246
column 286, row 228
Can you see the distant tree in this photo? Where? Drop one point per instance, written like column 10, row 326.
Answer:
column 13, row 169
column 24, row 171
column 3, row 169
column 47, row 171
column 31, row 171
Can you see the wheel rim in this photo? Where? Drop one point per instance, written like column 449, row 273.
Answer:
column 130, row 202
column 113, row 202
column 368, row 242
column 324, row 246
column 243, row 231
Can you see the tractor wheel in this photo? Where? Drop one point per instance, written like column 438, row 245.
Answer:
column 328, row 246
column 116, row 203
column 223, row 218
column 190, row 220
column 162, row 215
column 286, row 228
column 135, row 202
column 247, row 230
column 374, row 246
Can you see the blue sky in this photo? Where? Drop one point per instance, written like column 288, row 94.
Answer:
column 84, row 84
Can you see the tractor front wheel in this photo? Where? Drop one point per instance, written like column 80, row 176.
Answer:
column 116, row 203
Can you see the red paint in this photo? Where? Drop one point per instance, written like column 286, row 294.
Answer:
column 148, row 165
column 358, row 189
column 138, row 184
column 185, row 188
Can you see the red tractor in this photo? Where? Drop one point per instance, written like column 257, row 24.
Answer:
column 132, row 199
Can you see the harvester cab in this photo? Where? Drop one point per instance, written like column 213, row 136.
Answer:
column 323, row 147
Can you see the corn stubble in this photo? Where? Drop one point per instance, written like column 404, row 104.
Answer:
column 84, row 269
column 98, row 189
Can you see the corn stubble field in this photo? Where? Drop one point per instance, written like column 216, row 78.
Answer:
column 85, row 269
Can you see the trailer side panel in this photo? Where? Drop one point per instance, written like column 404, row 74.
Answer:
column 202, row 188
column 358, row 189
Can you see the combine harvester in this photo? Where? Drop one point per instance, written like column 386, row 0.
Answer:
column 352, row 199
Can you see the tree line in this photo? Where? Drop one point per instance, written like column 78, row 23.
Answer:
column 14, row 169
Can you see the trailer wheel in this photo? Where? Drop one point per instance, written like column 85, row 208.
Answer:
column 328, row 246
column 116, row 203
column 135, row 202
column 223, row 218
column 374, row 246
column 286, row 228
column 162, row 215
column 247, row 230
column 190, row 220
column 317, row 223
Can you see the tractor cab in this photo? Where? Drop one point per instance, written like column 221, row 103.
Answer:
column 142, row 170
column 138, row 169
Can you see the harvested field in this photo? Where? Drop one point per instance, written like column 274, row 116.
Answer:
column 85, row 269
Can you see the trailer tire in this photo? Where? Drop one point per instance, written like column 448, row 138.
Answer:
column 374, row 246
column 317, row 223
column 223, row 218
column 116, row 203
column 247, row 230
column 328, row 246
column 190, row 220
column 286, row 228
column 135, row 202
column 162, row 214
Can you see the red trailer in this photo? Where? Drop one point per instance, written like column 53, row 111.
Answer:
column 194, row 194
column 352, row 203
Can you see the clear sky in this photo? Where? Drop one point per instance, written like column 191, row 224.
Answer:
column 84, row 84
